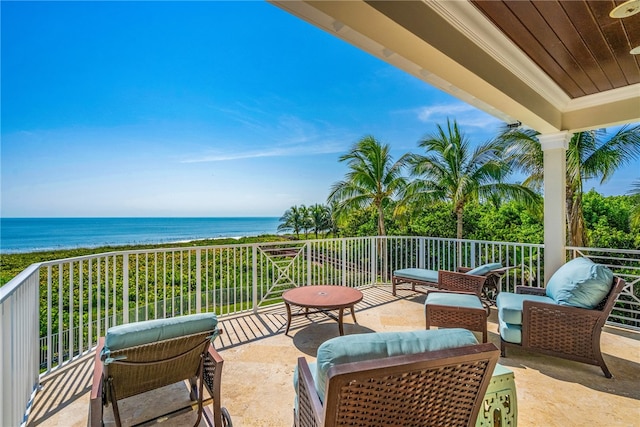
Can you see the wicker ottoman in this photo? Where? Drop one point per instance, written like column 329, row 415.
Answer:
column 455, row 310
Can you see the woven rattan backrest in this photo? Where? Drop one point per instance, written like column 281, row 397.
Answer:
column 468, row 283
column 157, row 364
column 439, row 388
column 609, row 301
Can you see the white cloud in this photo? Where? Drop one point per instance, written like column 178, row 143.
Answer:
column 281, row 135
column 465, row 114
column 286, row 150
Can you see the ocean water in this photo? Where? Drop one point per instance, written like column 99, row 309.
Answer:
column 34, row 234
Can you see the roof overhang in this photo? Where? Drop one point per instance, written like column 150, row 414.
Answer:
column 454, row 47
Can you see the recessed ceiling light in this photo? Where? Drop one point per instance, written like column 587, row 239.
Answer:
column 626, row 9
column 635, row 51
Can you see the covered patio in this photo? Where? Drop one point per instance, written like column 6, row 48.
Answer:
column 259, row 362
column 555, row 67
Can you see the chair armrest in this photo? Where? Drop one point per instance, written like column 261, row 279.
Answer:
column 460, row 282
column 309, row 407
column 530, row 290
column 560, row 328
column 95, row 399
column 212, row 377
column 464, row 269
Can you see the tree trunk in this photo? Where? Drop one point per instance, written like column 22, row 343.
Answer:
column 381, row 230
column 459, row 222
column 569, row 210
column 576, row 232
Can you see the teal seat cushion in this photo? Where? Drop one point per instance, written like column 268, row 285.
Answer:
column 580, row 283
column 314, row 374
column 510, row 305
column 510, row 333
column 139, row 333
column 418, row 274
column 356, row 348
column 453, row 300
column 485, row 268
column 501, row 370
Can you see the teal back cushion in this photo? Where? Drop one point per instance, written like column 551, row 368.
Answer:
column 139, row 333
column 355, row 348
column 580, row 283
column 485, row 268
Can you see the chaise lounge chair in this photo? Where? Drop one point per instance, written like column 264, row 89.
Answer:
column 139, row 357
column 464, row 280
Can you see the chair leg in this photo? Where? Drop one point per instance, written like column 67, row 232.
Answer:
column 193, row 394
column 603, row 366
column 503, row 350
column 226, row 418
column 200, row 391
column 114, row 402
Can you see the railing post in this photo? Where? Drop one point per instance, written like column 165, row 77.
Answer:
column 49, row 329
column 374, row 259
column 344, row 261
column 70, row 346
column 254, row 281
column 125, row 287
column 198, row 281
column 473, row 254
column 421, row 253
column 309, row 262
column 60, row 316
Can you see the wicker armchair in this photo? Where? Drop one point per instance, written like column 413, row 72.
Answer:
column 135, row 369
column 564, row 331
column 443, row 387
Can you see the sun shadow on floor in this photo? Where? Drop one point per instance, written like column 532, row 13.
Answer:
column 309, row 338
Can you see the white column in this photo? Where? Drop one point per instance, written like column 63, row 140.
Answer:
column 554, row 147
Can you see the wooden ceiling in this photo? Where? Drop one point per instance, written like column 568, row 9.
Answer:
column 553, row 65
column 575, row 43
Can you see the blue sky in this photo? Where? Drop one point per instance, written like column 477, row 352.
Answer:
column 196, row 109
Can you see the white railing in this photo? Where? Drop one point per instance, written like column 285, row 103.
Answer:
column 84, row 296
column 624, row 263
column 19, row 331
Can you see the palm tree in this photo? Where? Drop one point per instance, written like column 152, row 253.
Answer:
column 589, row 155
column 373, row 179
column 319, row 218
column 306, row 221
column 452, row 171
column 333, row 228
column 292, row 220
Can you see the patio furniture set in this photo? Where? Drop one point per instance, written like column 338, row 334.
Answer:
column 424, row 377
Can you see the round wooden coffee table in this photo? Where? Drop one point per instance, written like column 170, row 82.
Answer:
column 323, row 299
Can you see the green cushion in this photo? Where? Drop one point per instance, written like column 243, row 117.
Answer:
column 510, row 305
column 580, row 283
column 485, row 268
column 139, row 333
column 418, row 274
column 356, row 348
column 453, row 300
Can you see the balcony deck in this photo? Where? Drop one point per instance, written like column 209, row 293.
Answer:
column 259, row 362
